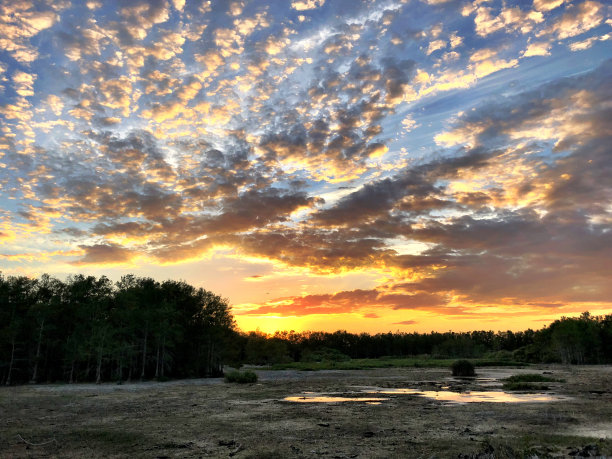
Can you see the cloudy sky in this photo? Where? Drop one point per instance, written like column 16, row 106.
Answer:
column 406, row 165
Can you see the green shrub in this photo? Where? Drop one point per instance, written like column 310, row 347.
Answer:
column 526, row 382
column 241, row 377
column 463, row 368
column 530, row 377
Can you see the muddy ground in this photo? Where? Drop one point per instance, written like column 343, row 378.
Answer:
column 211, row 418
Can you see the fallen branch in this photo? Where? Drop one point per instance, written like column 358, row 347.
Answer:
column 53, row 440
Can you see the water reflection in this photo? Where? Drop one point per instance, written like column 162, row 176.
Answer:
column 332, row 399
column 445, row 396
column 470, row 397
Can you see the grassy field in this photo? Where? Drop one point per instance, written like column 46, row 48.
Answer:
column 214, row 418
column 388, row 362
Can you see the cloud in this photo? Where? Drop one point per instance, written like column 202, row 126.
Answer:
column 578, row 19
column 140, row 16
column 517, row 254
column 84, row 41
column 104, row 254
column 19, row 22
column 537, row 49
column 24, row 83
column 547, row 5
column 435, row 45
column 303, row 5
column 319, row 251
column 586, row 44
column 348, row 302
column 372, row 200
column 178, row 4
column 336, row 141
column 417, row 147
column 509, row 19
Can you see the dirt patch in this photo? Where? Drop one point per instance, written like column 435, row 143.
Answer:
column 210, row 418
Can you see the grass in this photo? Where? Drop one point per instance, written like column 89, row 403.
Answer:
column 531, row 377
column 526, row 382
column 387, row 362
column 241, row 377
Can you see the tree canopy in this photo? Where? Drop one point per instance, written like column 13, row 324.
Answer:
column 89, row 329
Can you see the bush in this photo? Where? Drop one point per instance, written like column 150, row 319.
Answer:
column 526, row 382
column 463, row 368
column 241, row 377
column 530, row 377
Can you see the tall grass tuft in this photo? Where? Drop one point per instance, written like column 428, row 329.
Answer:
column 528, row 382
column 241, row 377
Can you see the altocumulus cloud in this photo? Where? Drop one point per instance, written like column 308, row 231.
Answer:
column 446, row 151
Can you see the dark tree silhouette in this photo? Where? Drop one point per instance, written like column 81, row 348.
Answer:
column 87, row 329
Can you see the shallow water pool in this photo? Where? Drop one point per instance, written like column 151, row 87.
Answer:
column 472, row 396
column 332, row 399
column 446, row 396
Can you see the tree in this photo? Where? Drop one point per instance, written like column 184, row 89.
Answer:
column 576, row 340
column 48, row 297
column 90, row 300
column 16, row 298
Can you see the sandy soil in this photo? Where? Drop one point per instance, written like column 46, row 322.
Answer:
column 211, row 418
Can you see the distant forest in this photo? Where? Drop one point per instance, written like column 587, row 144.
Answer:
column 89, row 329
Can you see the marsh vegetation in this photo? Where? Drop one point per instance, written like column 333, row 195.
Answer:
column 211, row 418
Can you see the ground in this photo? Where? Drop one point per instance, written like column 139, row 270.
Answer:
column 211, row 418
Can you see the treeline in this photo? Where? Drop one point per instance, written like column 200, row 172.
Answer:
column 580, row 340
column 89, row 329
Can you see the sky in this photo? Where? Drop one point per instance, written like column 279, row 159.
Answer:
column 369, row 166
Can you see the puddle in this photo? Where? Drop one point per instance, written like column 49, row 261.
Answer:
column 331, row 399
column 470, row 397
column 481, row 381
column 446, row 396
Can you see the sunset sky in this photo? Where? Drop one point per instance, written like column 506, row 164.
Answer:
column 370, row 165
